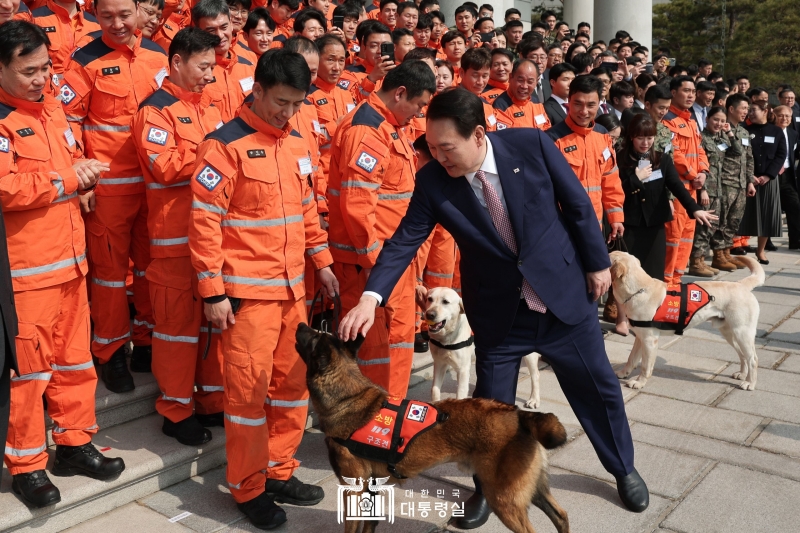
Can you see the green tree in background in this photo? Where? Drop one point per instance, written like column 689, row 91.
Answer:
column 761, row 36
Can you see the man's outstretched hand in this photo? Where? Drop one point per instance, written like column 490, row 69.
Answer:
column 359, row 319
column 598, row 283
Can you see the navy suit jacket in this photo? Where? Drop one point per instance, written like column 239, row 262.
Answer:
column 552, row 217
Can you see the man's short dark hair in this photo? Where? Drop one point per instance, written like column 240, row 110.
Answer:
column 586, row 85
column 503, row 52
column 306, row 15
column 584, row 35
column 438, row 15
column 329, row 40
column 482, row 20
column 487, row 7
column 601, row 71
column 641, row 50
column 348, row 10
column 656, row 93
column 678, row 81
column 734, row 100
column 703, row 63
column 244, row 3
column 622, row 34
column 385, row 3
column 547, row 14
column 462, row 107
column 714, row 76
column 399, row 33
column 692, row 70
column 415, row 76
column 624, row 45
column 158, row 4
column 294, row 5
column 720, row 95
column 644, row 79
column 633, row 60
column 786, row 89
column 406, row 5
column 473, row 5
column 283, row 67
column 705, row 86
column 419, row 54
column 581, row 61
column 584, row 25
column 452, row 35
column 424, row 22
column 368, row 28
column 513, row 24
column 256, row 16
column 209, row 9
column 476, row 59
column 755, row 91
column 612, row 42
column 512, row 11
column 300, row 45
column 620, row 89
column 427, row 3
column 465, row 8
column 19, row 35
column 541, row 25
column 526, row 46
column 560, row 68
column 190, row 41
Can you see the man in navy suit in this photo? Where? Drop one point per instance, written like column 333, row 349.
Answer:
column 532, row 266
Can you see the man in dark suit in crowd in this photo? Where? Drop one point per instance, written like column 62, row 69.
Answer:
column 532, row 267
column 790, row 199
column 8, row 331
column 561, row 75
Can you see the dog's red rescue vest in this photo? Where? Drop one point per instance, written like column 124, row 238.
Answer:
column 678, row 308
column 386, row 437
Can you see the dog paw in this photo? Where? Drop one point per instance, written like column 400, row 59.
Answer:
column 622, row 374
column 738, row 375
column 635, row 384
column 746, row 385
column 532, row 404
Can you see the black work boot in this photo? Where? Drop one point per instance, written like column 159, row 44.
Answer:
column 262, row 512
column 212, row 420
column 188, row 431
column 141, row 358
column 420, row 344
column 86, row 460
column 35, row 489
column 294, row 491
column 115, row 373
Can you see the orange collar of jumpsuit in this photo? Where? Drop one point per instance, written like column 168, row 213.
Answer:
column 361, row 62
column 377, row 104
column 498, row 84
column 580, row 130
column 180, row 93
column 324, row 85
column 132, row 48
column 685, row 115
column 260, row 125
column 36, row 108
column 62, row 12
column 227, row 62
column 516, row 100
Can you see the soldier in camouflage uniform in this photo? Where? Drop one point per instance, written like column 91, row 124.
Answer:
column 663, row 141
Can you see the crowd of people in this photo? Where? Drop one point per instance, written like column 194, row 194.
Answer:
column 200, row 170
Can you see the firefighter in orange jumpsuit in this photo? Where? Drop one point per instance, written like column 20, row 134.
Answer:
column 589, row 151
column 281, row 12
column 42, row 172
column 14, row 10
column 499, row 74
column 369, row 67
column 166, row 131
column 103, row 85
column 475, row 65
column 514, row 108
column 233, row 77
column 254, row 219
column 239, row 10
column 369, row 189
column 692, row 165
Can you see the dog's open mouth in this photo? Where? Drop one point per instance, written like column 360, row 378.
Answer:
column 433, row 328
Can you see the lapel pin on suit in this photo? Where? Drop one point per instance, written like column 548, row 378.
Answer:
column 516, row 170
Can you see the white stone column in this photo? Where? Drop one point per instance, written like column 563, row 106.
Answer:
column 577, row 11
column 633, row 16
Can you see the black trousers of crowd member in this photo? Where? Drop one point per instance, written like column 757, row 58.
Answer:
column 790, row 202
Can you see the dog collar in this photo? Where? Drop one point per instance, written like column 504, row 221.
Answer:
column 457, row 346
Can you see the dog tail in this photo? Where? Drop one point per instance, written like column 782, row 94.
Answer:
column 545, row 427
column 756, row 277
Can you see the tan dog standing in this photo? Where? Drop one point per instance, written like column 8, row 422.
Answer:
column 452, row 345
column 733, row 310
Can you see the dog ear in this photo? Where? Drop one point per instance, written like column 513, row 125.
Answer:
column 354, row 345
column 618, row 269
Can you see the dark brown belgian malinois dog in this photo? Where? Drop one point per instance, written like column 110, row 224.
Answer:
column 502, row 445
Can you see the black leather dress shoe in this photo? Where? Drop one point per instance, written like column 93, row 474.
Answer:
column 633, row 492
column 212, row 420
column 420, row 344
column 738, row 250
column 141, row 359
column 188, row 431
column 36, row 489
column 86, row 460
column 476, row 513
column 115, row 373
column 294, row 491
column 262, row 512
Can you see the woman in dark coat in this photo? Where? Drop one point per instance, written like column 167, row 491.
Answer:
column 646, row 177
column 762, row 214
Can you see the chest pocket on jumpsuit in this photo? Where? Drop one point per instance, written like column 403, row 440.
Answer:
column 256, row 189
column 112, row 96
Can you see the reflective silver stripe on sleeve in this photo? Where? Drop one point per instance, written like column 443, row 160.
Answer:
column 246, row 421
column 690, row 241
column 63, row 198
column 121, row 181
column 333, row 192
column 399, row 196
column 232, row 486
column 104, row 127
column 401, row 345
column 359, row 251
column 75, row 118
column 616, row 168
column 286, row 403
column 153, row 158
column 260, row 282
column 24, row 452
column 262, row 223
column 137, row 322
column 175, row 338
column 316, row 249
column 308, row 200
column 138, row 273
column 614, row 210
column 213, row 330
column 208, row 207
column 437, row 274
column 210, row 388
column 207, row 274
column 101, row 340
column 362, row 362
column 40, row 376
column 169, row 242
column 32, row 271
column 112, row 284
column 73, row 368
column 59, row 185
column 184, row 401
column 672, row 244
column 162, row 186
column 360, row 185
column 593, row 189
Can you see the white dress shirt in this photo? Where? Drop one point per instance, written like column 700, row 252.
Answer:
column 639, row 103
column 489, row 167
column 700, row 113
column 618, row 113
column 788, row 148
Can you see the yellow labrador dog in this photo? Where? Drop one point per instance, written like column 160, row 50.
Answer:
column 730, row 306
column 452, row 345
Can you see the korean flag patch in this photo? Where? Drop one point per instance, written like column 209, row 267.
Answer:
column 366, row 161
column 67, row 94
column 417, row 412
column 4, row 145
column 695, row 296
column 209, row 178
column 344, row 84
column 157, row 136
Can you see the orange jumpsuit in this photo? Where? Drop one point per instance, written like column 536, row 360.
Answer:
column 373, row 10
column 166, row 32
column 513, row 113
column 233, row 82
column 434, row 265
column 23, row 13
column 63, row 31
column 590, row 153
column 254, row 219
column 332, row 103
column 690, row 160
column 103, row 85
column 369, row 189
column 47, row 253
column 167, row 129
column 282, row 33
column 356, row 80
column 239, row 45
column 494, row 89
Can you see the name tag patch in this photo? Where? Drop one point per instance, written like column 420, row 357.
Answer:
column 160, row 75
column 722, row 147
column 25, row 132
column 491, row 120
column 681, row 125
column 246, row 84
column 322, row 101
column 746, row 142
column 769, row 140
column 395, row 136
column 109, row 71
column 66, row 93
column 49, row 29
column 366, row 161
column 569, row 149
column 350, row 107
column 68, row 135
column 4, row 145
column 209, row 178
column 304, row 165
column 519, row 114
column 185, row 120
column 540, row 119
column 256, row 153
column 606, row 154
column 157, row 136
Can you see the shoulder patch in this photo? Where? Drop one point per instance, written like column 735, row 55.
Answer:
column 4, row 145
column 92, row 51
column 157, row 136
column 502, row 102
column 153, row 47
column 159, row 99
column 367, row 116
column 231, row 131
column 209, row 178
column 66, row 93
column 344, row 84
column 366, row 161
column 244, row 61
column 681, row 125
